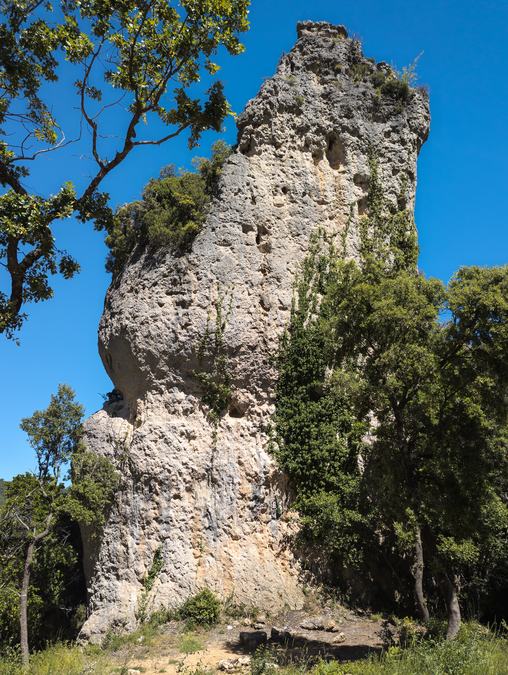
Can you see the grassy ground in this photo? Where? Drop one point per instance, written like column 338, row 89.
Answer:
column 117, row 654
column 476, row 651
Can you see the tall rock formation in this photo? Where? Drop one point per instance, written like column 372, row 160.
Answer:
column 205, row 499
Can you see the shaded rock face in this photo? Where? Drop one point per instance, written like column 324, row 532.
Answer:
column 208, row 497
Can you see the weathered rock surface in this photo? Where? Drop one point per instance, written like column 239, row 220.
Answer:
column 211, row 500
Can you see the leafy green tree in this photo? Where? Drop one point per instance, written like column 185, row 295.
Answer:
column 466, row 506
column 38, row 506
column 144, row 55
column 422, row 375
column 56, row 580
column 434, row 394
column 384, row 327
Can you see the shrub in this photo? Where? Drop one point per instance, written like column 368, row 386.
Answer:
column 238, row 610
column 202, row 609
column 171, row 212
column 378, row 78
column 396, row 89
column 264, row 662
column 360, row 71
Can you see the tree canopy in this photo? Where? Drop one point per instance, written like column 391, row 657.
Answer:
column 142, row 56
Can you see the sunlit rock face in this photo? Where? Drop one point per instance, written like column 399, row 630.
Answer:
column 209, row 498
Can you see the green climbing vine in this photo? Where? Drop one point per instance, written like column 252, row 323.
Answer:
column 213, row 373
column 148, row 583
column 387, row 234
column 319, row 423
column 317, row 437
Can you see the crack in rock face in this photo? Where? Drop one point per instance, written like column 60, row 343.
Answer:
column 209, row 497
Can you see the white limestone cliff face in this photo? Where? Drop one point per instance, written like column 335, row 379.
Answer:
column 215, row 506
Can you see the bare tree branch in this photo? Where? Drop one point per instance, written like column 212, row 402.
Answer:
column 62, row 143
column 16, row 515
column 164, row 138
column 90, row 120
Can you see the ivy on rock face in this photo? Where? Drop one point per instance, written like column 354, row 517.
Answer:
column 317, row 437
column 213, row 372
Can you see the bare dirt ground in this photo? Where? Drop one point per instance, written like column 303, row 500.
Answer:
column 296, row 636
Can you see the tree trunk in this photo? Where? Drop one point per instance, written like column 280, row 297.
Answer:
column 417, row 570
column 23, row 605
column 25, row 585
column 454, row 619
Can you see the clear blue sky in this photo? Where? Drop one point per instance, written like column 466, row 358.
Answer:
column 462, row 199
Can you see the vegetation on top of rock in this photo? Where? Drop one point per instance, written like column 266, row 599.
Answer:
column 386, row 81
column 171, row 212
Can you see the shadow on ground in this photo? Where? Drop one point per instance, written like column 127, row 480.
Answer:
column 286, row 647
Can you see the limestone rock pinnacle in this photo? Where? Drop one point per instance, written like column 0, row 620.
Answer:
column 212, row 500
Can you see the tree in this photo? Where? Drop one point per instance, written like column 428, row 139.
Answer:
column 434, row 394
column 467, row 502
column 143, row 55
column 419, row 370
column 384, row 325
column 38, row 504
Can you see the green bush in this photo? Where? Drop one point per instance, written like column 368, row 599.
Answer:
column 378, row 78
column 264, row 662
column 238, row 610
column 171, row 212
column 202, row 609
column 211, row 169
column 396, row 89
column 360, row 71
